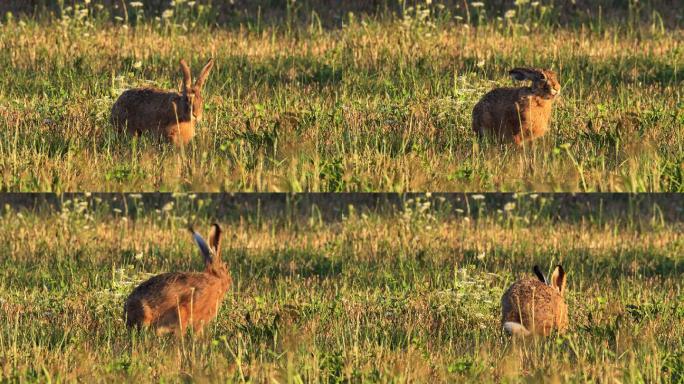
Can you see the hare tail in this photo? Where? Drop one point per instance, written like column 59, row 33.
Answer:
column 514, row 328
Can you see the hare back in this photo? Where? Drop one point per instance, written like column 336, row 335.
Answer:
column 143, row 109
column 506, row 96
column 535, row 305
column 496, row 112
column 512, row 114
column 175, row 300
column 180, row 133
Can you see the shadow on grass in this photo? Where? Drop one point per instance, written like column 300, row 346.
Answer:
column 618, row 71
column 287, row 263
column 610, row 267
column 333, row 14
column 288, row 70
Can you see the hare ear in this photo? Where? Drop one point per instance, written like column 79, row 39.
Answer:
column 187, row 77
column 521, row 74
column 558, row 279
column 215, row 240
column 203, row 75
column 539, row 274
column 204, row 248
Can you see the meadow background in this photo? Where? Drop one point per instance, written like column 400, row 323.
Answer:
column 341, row 96
column 404, row 295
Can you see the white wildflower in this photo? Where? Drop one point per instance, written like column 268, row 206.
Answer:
column 168, row 206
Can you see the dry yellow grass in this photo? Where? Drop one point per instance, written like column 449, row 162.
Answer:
column 372, row 106
column 411, row 296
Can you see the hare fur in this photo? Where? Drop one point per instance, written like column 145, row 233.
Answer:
column 517, row 114
column 168, row 114
column 530, row 306
column 171, row 302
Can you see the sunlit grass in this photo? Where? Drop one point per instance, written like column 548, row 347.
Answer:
column 411, row 295
column 376, row 105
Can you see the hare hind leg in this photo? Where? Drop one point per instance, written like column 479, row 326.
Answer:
column 477, row 123
column 181, row 133
column 137, row 314
column 175, row 320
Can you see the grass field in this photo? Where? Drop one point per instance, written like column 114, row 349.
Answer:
column 405, row 297
column 381, row 104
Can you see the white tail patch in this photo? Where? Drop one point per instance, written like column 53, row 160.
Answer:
column 516, row 329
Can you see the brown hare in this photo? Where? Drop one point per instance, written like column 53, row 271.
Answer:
column 517, row 114
column 171, row 302
column 531, row 306
column 168, row 114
